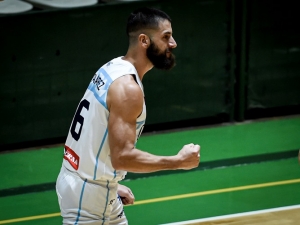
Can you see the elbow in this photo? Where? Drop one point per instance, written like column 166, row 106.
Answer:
column 118, row 166
column 122, row 159
column 118, row 163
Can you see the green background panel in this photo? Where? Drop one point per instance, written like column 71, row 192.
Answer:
column 230, row 141
column 216, row 204
column 187, row 208
column 28, row 205
column 223, row 142
column 30, row 167
column 214, row 179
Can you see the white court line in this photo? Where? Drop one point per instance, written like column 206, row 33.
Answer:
column 234, row 215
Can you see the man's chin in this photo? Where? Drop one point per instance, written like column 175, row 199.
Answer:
column 166, row 67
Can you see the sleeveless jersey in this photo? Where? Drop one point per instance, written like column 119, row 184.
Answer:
column 87, row 150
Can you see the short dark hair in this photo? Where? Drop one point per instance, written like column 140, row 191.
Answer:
column 145, row 18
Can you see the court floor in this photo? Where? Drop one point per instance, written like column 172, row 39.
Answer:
column 245, row 170
column 289, row 215
column 181, row 197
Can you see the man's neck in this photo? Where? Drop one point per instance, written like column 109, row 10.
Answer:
column 139, row 61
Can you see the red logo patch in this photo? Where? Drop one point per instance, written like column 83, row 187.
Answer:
column 72, row 157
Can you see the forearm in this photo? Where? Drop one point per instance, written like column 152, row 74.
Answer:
column 138, row 161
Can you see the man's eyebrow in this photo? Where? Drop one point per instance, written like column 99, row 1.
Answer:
column 167, row 32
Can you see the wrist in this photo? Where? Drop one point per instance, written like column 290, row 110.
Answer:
column 175, row 162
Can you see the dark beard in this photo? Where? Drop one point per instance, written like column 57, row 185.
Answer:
column 160, row 60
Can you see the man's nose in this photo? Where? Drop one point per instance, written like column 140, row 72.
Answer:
column 172, row 43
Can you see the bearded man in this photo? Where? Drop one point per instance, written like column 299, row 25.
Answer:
column 101, row 144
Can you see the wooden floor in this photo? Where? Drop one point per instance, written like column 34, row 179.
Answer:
column 277, row 216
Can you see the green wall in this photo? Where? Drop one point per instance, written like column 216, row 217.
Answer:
column 231, row 58
column 274, row 54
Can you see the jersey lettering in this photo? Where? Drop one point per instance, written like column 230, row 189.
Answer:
column 98, row 81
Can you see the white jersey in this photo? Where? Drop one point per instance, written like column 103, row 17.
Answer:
column 87, row 150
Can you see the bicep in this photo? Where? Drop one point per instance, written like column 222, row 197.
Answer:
column 121, row 132
column 126, row 104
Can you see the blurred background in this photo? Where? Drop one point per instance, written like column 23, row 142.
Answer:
column 236, row 60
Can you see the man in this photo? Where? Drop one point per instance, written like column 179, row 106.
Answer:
column 100, row 146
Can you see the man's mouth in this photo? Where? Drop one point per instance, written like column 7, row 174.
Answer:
column 168, row 53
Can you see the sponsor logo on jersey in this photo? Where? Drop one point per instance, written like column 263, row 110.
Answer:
column 71, row 157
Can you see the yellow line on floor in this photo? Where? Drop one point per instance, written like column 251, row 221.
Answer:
column 247, row 187
column 29, row 218
column 175, row 197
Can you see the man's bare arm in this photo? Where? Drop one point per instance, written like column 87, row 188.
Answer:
column 125, row 103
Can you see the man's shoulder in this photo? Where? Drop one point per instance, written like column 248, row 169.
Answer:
column 127, row 82
column 119, row 65
column 118, row 61
column 125, row 93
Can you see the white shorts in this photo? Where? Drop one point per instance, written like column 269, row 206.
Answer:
column 83, row 202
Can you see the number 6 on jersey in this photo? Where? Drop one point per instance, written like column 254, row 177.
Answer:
column 79, row 119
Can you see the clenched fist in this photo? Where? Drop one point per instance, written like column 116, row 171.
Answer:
column 189, row 157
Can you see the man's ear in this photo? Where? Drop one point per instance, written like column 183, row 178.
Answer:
column 144, row 40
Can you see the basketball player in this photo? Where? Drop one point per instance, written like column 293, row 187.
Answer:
column 100, row 147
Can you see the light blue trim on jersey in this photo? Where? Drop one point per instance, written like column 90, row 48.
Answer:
column 80, row 202
column 101, row 94
column 97, row 158
column 92, row 88
column 106, row 202
column 140, row 124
